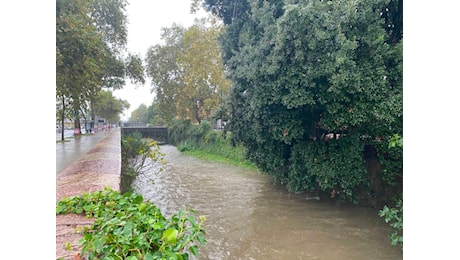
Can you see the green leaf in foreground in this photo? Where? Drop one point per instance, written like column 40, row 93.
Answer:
column 126, row 227
column 170, row 235
column 194, row 250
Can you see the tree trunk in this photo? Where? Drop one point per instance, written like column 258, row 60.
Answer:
column 93, row 116
column 62, row 118
column 196, row 111
column 77, row 126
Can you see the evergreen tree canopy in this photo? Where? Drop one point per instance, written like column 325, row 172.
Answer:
column 316, row 90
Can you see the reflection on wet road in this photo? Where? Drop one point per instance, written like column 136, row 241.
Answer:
column 69, row 151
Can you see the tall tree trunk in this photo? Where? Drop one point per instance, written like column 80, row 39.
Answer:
column 76, row 111
column 93, row 116
column 196, row 111
column 62, row 118
column 85, row 123
column 77, row 126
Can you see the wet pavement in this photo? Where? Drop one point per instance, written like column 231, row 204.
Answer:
column 73, row 148
column 85, row 164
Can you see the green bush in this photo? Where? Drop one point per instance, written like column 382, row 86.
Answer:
column 127, row 227
column 204, row 142
column 186, row 146
column 184, row 132
column 178, row 131
column 394, row 215
column 138, row 155
column 334, row 166
column 214, row 137
column 157, row 121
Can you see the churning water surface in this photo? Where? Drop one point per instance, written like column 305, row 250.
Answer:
column 247, row 217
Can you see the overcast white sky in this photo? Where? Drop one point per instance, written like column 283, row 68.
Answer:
column 145, row 20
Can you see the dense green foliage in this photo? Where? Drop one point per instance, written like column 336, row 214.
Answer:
column 183, row 130
column 317, row 91
column 140, row 115
column 127, row 227
column 109, row 107
column 393, row 214
column 155, row 115
column 138, row 155
column 203, row 142
column 149, row 115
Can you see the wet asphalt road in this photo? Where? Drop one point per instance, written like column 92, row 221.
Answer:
column 69, row 151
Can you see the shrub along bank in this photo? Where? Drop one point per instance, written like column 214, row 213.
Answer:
column 205, row 143
column 138, row 155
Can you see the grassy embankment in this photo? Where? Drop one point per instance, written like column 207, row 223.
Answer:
column 201, row 141
column 227, row 154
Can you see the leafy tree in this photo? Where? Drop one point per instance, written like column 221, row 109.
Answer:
column 203, row 75
column 226, row 10
column 109, row 107
column 151, row 115
column 316, row 90
column 140, row 114
column 110, row 19
column 165, row 72
column 155, row 115
column 135, row 69
column 187, row 71
column 77, row 53
column 90, row 52
column 235, row 15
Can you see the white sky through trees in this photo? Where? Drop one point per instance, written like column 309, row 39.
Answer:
column 145, row 20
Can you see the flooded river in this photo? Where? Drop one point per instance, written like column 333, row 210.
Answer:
column 247, row 217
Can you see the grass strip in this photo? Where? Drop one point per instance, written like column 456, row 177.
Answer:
column 219, row 158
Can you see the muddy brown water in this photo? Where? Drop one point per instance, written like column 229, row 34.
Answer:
column 247, row 217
